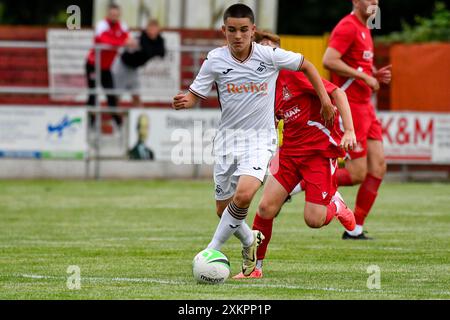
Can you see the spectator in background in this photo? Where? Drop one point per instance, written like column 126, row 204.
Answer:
column 110, row 31
column 125, row 67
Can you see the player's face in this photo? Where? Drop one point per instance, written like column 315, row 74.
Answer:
column 363, row 7
column 143, row 128
column 153, row 30
column 239, row 33
column 114, row 15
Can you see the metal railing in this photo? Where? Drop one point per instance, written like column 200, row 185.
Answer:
column 96, row 110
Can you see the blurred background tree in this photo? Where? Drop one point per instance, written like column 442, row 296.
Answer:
column 42, row 12
column 305, row 17
column 435, row 28
column 316, row 17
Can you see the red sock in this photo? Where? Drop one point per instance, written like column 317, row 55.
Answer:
column 344, row 179
column 366, row 197
column 265, row 226
column 331, row 213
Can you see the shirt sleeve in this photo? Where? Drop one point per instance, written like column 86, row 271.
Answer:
column 342, row 37
column 203, row 82
column 287, row 60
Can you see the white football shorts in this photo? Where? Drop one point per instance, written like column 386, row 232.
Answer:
column 228, row 170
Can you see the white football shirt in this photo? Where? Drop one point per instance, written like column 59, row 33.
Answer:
column 246, row 92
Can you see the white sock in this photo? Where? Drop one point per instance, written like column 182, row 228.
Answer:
column 228, row 225
column 296, row 190
column 358, row 230
column 245, row 234
column 259, row 264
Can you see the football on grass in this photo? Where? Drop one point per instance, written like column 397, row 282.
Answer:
column 211, row 267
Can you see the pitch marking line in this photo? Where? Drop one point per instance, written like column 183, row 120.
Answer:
column 171, row 282
column 228, row 285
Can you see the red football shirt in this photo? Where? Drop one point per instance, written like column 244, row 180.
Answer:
column 354, row 41
column 299, row 106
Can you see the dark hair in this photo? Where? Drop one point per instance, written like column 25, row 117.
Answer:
column 239, row 10
column 113, row 6
column 153, row 22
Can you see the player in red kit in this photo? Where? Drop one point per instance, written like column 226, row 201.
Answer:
column 309, row 152
column 350, row 58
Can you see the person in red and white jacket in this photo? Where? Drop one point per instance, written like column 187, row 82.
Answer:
column 110, row 31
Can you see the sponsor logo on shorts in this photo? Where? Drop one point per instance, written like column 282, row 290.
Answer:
column 219, row 190
column 359, row 148
column 324, row 195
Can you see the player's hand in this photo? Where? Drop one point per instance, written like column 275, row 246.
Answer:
column 180, row 101
column 348, row 141
column 384, row 75
column 131, row 43
column 328, row 113
column 372, row 83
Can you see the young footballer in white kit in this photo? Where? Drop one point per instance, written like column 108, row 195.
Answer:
column 245, row 74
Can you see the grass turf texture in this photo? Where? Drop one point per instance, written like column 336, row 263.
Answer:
column 136, row 240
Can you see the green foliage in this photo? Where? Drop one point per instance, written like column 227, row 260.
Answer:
column 436, row 28
column 59, row 18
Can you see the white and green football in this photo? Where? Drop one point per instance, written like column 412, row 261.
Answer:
column 211, row 267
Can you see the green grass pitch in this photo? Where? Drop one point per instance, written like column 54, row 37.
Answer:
column 137, row 239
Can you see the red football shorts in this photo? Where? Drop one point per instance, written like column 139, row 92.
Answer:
column 317, row 171
column 367, row 126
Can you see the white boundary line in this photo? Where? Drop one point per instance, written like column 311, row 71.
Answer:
column 228, row 285
column 171, row 282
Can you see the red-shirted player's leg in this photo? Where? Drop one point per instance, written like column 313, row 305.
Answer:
column 369, row 188
column 374, row 174
column 323, row 203
column 344, row 178
column 265, row 226
column 273, row 199
column 274, row 196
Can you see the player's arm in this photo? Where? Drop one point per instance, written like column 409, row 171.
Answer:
column 332, row 60
column 184, row 101
column 198, row 90
column 328, row 109
column 348, row 141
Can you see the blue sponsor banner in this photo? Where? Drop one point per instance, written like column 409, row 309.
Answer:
column 21, row 154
